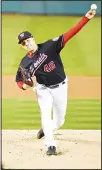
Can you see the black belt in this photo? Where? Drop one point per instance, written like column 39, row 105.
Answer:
column 56, row 86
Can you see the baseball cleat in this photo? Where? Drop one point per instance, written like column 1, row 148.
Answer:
column 51, row 150
column 40, row 134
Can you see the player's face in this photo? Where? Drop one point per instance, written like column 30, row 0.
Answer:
column 29, row 44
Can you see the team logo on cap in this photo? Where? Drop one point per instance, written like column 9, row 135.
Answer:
column 22, row 35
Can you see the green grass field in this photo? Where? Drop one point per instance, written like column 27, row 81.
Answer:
column 81, row 56
column 24, row 114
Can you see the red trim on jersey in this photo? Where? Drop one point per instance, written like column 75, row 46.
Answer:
column 73, row 31
column 30, row 54
column 20, row 84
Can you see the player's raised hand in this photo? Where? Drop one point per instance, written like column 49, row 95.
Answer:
column 90, row 14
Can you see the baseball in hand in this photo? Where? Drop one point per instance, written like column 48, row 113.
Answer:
column 93, row 6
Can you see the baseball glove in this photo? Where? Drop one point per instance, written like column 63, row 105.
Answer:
column 26, row 77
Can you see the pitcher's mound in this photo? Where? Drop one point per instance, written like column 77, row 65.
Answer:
column 77, row 149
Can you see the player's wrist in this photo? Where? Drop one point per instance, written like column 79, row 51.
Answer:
column 25, row 86
column 86, row 18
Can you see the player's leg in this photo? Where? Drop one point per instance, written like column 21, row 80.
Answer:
column 59, row 105
column 45, row 102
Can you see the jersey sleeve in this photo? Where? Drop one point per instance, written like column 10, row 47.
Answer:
column 58, row 43
column 74, row 30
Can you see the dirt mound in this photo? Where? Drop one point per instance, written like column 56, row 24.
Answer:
column 77, row 149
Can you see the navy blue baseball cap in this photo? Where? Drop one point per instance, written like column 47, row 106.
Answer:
column 23, row 36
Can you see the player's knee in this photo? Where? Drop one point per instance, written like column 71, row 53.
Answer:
column 45, row 119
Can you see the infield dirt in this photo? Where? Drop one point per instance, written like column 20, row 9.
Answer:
column 77, row 149
column 79, row 87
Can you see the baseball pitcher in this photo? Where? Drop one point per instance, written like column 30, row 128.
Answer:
column 44, row 62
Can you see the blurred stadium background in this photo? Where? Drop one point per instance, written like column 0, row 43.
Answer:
column 49, row 7
column 81, row 57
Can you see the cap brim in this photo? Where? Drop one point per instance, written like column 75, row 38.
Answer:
column 24, row 39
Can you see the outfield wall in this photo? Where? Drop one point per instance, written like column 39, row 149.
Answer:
column 49, row 7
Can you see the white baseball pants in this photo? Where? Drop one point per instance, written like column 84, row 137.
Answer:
column 52, row 100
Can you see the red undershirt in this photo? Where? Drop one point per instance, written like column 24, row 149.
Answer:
column 73, row 31
column 67, row 36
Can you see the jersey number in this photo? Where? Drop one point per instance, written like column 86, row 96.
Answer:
column 49, row 67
